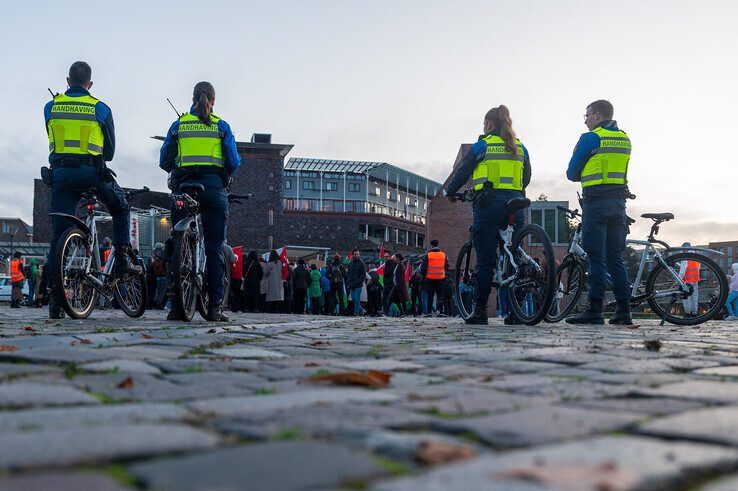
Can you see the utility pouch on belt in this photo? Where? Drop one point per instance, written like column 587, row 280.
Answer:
column 46, row 175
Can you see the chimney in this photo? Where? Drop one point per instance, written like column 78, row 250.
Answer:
column 261, row 138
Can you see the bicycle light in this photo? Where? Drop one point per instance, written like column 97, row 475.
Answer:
column 179, row 203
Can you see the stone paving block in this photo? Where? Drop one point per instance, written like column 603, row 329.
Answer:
column 618, row 365
column 244, row 352
column 704, row 390
column 20, row 394
column 114, row 414
column 58, row 355
column 145, row 352
column 626, row 462
column 98, row 444
column 59, row 481
column 714, row 425
column 266, row 466
column 120, row 365
column 475, row 402
column 536, row 425
column 728, row 371
column 574, row 390
column 651, row 380
column 651, row 406
column 387, row 364
column 234, row 406
column 727, row 483
column 235, row 379
column 520, row 366
column 204, row 364
column 14, row 370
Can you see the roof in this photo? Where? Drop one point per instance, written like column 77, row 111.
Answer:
column 379, row 170
column 38, row 249
column 29, row 228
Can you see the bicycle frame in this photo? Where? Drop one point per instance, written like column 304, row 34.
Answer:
column 184, row 224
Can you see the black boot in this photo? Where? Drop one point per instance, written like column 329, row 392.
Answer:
column 592, row 314
column 123, row 265
column 622, row 315
column 215, row 314
column 55, row 308
column 478, row 315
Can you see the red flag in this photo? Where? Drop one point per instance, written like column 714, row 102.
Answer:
column 408, row 272
column 285, row 262
column 381, row 252
column 380, row 269
column 237, row 267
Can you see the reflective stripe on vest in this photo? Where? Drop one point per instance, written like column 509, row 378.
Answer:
column 73, row 127
column 692, row 274
column 500, row 167
column 436, row 265
column 198, row 143
column 16, row 272
column 610, row 164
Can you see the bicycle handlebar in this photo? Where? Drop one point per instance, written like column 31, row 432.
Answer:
column 463, row 196
column 571, row 213
column 235, row 198
column 133, row 192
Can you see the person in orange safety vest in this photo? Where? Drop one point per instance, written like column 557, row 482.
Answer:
column 689, row 271
column 433, row 270
column 16, row 278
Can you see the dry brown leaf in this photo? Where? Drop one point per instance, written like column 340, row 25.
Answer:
column 127, row 383
column 74, row 343
column 312, row 364
column 8, row 347
column 146, row 336
column 372, row 378
column 488, row 378
column 433, row 452
column 28, row 328
column 319, row 343
column 85, row 341
column 606, row 476
column 633, row 326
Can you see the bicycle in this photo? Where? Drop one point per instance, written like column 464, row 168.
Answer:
column 664, row 286
column 188, row 270
column 524, row 270
column 83, row 278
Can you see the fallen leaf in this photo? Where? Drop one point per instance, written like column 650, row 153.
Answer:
column 85, row 341
column 372, row 378
column 319, row 343
column 127, row 383
column 633, row 326
column 8, row 347
column 74, row 343
column 28, row 328
column 433, row 452
column 146, row 336
column 606, row 476
column 488, row 378
column 312, row 364
column 652, row 344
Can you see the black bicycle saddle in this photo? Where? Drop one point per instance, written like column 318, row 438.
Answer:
column 659, row 216
column 191, row 186
column 516, row 204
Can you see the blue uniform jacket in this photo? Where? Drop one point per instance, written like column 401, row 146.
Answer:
column 168, row 154
column 104, row 117
column 587, row 146
column 473, row 157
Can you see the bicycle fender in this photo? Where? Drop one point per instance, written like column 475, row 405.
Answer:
column 694, row 249
column 75, row 220
column 184, row 224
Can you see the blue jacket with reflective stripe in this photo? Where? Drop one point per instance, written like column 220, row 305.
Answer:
column 587, row 146
column 472, row 158
column 168, row 153
column 104, row 117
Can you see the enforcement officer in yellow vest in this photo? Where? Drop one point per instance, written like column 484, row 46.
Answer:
column 81, row 139
column 200, row 148
column 499, row 166
column 600, row 163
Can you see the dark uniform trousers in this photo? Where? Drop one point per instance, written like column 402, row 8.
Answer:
column 490, row 215
column 66, row 191
column 214, row 213
column 604, row 229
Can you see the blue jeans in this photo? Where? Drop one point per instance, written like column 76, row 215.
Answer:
column 65, row 194
column 604, row 229
column 731, row 303
column 486, row 224
column 214, row 212
column 356, row 298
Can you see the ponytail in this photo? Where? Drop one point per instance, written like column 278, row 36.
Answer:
column 203, row 97
column 502, row 122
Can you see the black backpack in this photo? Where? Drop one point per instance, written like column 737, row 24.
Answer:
column 336, row 276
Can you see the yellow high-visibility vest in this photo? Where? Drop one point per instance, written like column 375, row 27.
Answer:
column 198, row 143
column 500, row 167
column 73, row 127
column 610, row 164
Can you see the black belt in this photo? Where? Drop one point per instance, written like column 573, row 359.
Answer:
column 74, row 162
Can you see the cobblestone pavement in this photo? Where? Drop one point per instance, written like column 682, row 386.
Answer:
column 115, row 403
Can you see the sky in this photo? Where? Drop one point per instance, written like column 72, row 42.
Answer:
column 404, row 82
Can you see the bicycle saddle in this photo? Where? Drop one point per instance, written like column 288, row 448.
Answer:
column 516, row 204
column 191, row 186
column 659, row 216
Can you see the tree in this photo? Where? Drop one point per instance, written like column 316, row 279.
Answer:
column 632, row 261
column 542, row 197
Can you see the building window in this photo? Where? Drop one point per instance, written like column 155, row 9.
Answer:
column 354, row 187
column 331, row 186
column 288, row 184
column 271, row 217
column 271, row 242
column 308, row 185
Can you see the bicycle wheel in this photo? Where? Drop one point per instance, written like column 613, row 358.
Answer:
column 700, row 303
column 73, row 258
column 465, row 267
column 531, row 287
column 131, row 293
column 183, row 274
column 569, row 284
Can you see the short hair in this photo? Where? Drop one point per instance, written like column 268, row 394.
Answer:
column 301, row 261
column 603, row 107
column 80, row 73
column 434, row 243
